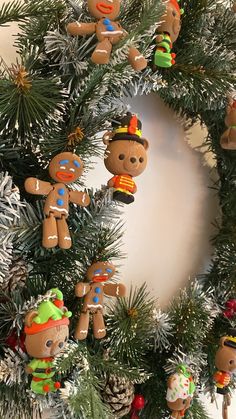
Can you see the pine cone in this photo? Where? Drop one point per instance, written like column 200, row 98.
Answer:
column 119, row 394
column 17, row 274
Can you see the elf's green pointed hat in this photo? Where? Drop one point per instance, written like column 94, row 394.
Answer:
column 49, row 314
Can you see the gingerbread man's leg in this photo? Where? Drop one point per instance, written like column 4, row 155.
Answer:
column 99, row 329
column 102, row 53
column 64, row 239
column 50, row 236
column 81, row 330
column 136, row 59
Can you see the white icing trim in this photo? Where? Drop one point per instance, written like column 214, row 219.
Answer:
column 139, row 57
column 67, row 238
column 58, row 209
column 37, row 185
column 78, row 24
column 72, row 170
column 52, row 237
column 118, row 290
column 83, row 331
column 102, row 51
column 112, row 32
column 94, row 306
column 63, row 167
column 84, row 197
column 101, row 330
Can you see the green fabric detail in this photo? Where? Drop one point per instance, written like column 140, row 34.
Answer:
column 47, row 310
column 192, row 387
column 184, row 370
column 165, row 43
column 162, row 59
column 34, row 364
column 38, row 387
column 39, row 363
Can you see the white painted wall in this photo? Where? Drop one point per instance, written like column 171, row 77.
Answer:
column 169, row 225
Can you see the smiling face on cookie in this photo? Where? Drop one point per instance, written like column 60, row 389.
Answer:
column 66, row 167
column 105, row 8
column 100, row 271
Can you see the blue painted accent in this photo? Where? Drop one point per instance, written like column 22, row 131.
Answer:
column 95, row 299
column 109, row 270
column 63, row 161
column 61, row 192
column 98, row 290
column 76, row 163
column 110, row 28
column 106, row 21
column 60, row 202
column 98, row 271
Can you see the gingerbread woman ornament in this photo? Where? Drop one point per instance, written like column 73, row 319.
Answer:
column 64, row 168
column 93, row 291
column 108, row 32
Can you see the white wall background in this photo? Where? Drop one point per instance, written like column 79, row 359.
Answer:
column 169, row 225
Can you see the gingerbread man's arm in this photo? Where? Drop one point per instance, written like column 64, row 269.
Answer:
column 37, row 187
column 80, row 29
column 79, row 198
column 115, row 290
column 81, row 289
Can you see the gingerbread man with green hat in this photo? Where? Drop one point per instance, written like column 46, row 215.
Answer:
column 46, row 332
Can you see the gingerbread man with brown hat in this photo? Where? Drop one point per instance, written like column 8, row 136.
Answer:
column 108, row 31
column 93, row 292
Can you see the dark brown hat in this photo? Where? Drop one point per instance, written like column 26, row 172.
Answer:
column 128, row 127
column 231, row 339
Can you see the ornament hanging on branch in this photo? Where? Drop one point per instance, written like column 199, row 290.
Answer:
column 168, row 33
column 17, row 274
column 225, row 361
column 180, row 392
column 230, row 310
column 16, row 342
column 125, row 156
column 64, row 169
column 46, row 332
column 94, row 291
column 228, row 139
column 108, row 31
column 118, row 394
column 137, row 405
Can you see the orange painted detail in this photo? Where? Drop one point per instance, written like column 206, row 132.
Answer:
column 37, row 328
column 124, row 182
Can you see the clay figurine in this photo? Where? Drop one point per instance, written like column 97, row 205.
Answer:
column 47, row 332
column 228, row 139
column 168, row 33
column 125, row 156
column 180, row 392
column 93, row 291
column 225, row 361
column 64, row 168
column 108, row 31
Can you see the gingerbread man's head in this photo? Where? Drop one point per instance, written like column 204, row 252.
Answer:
column 104, row 9
column 47, row 328
column 100, row 271
column 126, row 151
column 230, row 119
column 225, row 359
column 66, row 167
column 171, row 20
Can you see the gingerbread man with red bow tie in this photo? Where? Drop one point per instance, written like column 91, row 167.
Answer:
column 108, row 31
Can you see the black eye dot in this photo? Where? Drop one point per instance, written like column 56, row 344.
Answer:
column 141, row 159
column 174, row 13
column 49, row 343
column 61, row 344
column 184, row 401
column 231, row 362
column 121, row 156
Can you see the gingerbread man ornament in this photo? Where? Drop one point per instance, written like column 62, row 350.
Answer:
column 228, row 139
column 93, row 291
column 108, row 31
column 64, row 168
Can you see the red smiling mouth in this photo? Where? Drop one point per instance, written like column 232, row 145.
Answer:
column 64, row 176
column 100, row 278
column 104, row 8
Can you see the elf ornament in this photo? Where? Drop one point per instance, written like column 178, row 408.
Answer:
column 108, row 31
column 228, row 139
column 93, row 291
column 225, row 361
column 168, row 33
column 46, row 332
column 64, row 168
column 180, row 392
column 125, row 156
